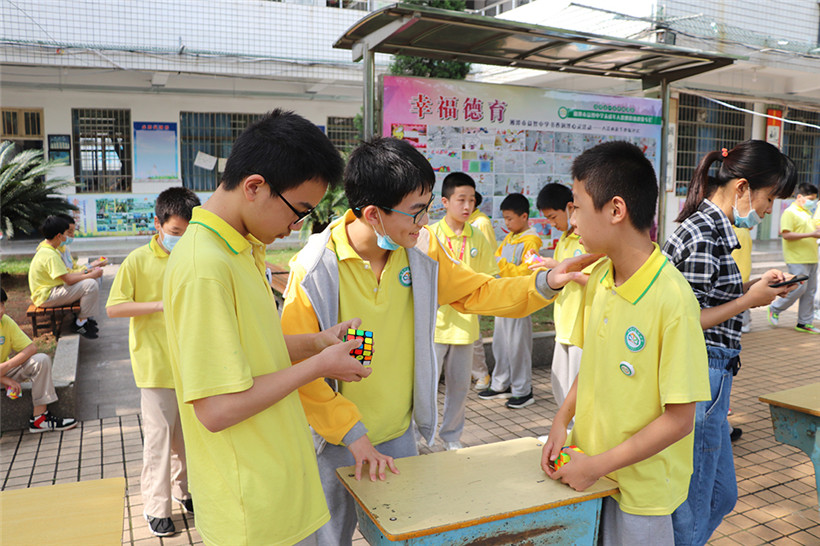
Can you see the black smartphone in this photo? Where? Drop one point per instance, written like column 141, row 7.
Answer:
column 799, row 278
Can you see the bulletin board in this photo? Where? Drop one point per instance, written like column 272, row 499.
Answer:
column 511, row 139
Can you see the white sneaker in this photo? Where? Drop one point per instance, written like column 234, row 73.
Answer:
column 746, row 328
column 450, row 446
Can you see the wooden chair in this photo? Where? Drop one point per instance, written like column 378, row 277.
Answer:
column 42, row 317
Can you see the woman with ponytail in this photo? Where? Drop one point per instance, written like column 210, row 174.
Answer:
column 747, row 180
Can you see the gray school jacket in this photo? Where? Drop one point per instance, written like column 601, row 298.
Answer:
column 321, row 285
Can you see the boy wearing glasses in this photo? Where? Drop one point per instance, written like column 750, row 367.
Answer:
column 251, row 464
column 381, row 264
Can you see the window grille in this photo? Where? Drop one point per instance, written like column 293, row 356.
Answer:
column 802, row 145
column 705, row 126
column 212, row 134
column 22, row 123
column 343, row 133
column 102, row 150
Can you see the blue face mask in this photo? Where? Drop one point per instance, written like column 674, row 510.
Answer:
column 750, row 220
column 810, row 205
column 68, row 240
column 169, row 241
column 384, row 241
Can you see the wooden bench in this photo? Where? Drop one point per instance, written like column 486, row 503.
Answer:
column 42, row 317
column 278, row 281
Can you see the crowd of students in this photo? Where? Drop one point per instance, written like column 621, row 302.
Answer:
column 269, row 407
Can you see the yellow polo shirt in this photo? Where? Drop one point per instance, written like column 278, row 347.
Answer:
column 44, row 272
column 643, row 348
column 482, row 222
column 568, row 303
column 801, row 251
column 255, row 482
column 12, row 338
column 139, row 279
column 388, row 310
column 472, row 248
column 743, row 255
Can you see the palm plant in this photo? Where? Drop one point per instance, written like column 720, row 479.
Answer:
column 26, row 196
column 332, row 205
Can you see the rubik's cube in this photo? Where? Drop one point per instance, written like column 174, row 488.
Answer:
column 364, row 352
column 564, row 457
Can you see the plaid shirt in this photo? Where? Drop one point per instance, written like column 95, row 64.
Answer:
column 701, row 248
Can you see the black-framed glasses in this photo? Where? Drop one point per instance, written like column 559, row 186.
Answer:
column 417, row 216
column 299, row 215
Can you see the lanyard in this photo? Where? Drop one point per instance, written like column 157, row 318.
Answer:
column 463, row 245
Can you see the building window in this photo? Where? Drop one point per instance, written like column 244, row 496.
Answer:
column 343, row 133
column 102, row 150
column 705, row 126
column 802, row 145
column 22, row 123
column 212, row 134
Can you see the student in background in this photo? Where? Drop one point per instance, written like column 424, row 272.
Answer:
column 512, row 337
column 456, row 332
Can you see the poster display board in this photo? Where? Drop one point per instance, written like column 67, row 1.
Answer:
column 107, row 214
column 511, row 138
column 155, row 152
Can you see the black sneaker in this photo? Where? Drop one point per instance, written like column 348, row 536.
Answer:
column 187, row 505
column 47, row 422
column 518, row 402
column 93, row 323
column 735, row 434
column 161, row 527
column 490, row 394
column 84, row 330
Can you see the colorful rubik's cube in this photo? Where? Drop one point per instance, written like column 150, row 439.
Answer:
column 364, row 352
column 563, row 458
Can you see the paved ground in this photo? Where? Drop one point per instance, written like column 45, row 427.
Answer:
column 778, row 498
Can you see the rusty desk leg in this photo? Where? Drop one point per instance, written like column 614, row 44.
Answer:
column 798, row 429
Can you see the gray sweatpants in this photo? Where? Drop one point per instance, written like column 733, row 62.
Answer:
column 804, row 292
column 456, row 362
column 87, row 291
column 621, row 529
column 512, row 350
column 339, row 530
column 38, row 371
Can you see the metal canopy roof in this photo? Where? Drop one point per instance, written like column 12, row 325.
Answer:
column 422, row 31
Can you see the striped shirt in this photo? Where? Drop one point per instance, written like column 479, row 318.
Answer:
column 701, row 248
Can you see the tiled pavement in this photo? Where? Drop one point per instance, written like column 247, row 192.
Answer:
column 777, row 505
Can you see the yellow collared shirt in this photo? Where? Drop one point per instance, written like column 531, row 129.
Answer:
column 568, row 303
column 44, row 272
column 452, row 327
column 743, row 255
column 139, row 279
column 800, row 251
column 12, row 338
column 482, row 223
column 643, row 348
column 530, row 241
column 257, row 482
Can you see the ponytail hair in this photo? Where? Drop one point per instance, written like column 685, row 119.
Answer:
column 759, row 162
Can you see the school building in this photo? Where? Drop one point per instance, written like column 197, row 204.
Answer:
column 138, row 96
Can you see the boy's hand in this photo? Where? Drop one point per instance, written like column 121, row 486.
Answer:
column 335, row 334
column 570, row 270
column 579, row 473
column 364, row 452
column 556, row 439
column 338, row 364
column 95, row 273
column 11, row 385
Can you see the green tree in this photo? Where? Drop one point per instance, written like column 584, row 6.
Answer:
column 404, row 65
column 26, row 197
column 332, row 205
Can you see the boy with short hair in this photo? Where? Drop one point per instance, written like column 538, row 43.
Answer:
column 28, row 365
column 251, row 463
column 512, row 337
column 800, row 234
column 555, row 203
column 52, row 284
column 378, row 262
column 65, row 250
column 482, row 222
column 644, row 363
column 137, row 293
column 456, row 332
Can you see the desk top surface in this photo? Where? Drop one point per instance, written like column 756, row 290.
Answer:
column 453, row 489
column 80, row 513
column 805, row 399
